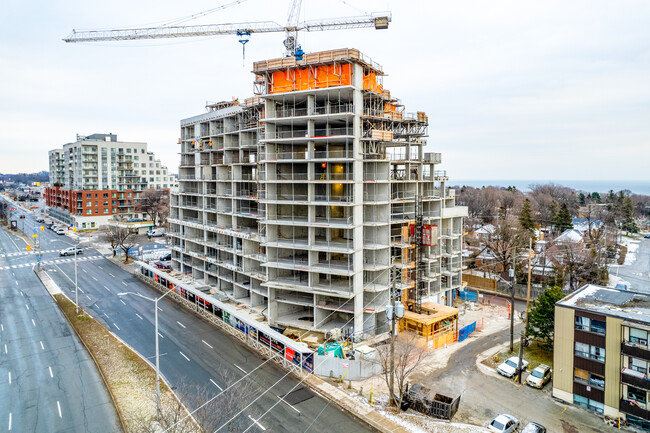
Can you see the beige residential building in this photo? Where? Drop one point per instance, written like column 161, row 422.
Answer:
column 601, row 353
column 301, row 201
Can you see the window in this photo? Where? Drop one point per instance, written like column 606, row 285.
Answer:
column 636, row 394
column 141, row 150
column 589, row 352
column 638, row 365
column 88, row 195
column 105, row 210
column 598, row 327
column 587, row 403
column 150, row 158
column 128, row 150
column 105, row 195
column 582, row 323
column 105, row 202
column 597, row 353
column 638, row 336
column 89, row 212
column 586, row 378
column 596, row 381
column 89, row 203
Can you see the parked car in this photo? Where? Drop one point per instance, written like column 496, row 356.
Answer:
column 59, row 231
column 539, row 376
column 509, row 368
column 162, row 265
column 166, row 257
column 533, row 427
column 40, row 219
column 646, row 236
column 156, row 232
column 504, row 423
column 70, row 251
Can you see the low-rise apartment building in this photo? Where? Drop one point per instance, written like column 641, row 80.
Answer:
column 601, row 354
column 97, row 177
column 301, row 201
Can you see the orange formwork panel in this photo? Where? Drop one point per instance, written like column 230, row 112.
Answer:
column 290, row 80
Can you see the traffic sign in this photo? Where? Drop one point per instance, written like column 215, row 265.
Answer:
column 34, row 235
column 29, row 247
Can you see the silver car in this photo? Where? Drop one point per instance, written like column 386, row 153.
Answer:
column 504, row 423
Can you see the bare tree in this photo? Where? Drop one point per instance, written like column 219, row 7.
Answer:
column 151, row 200
column 162, row 210
column 120, row 237
column 408, row 356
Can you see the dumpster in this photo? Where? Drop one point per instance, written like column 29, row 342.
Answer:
column 419, row 398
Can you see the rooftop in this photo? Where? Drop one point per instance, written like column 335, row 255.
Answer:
column 610, row 302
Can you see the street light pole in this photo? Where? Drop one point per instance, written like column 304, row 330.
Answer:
column 76, row 286
column 155, row 301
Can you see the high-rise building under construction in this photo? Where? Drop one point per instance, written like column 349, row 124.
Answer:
column 301, row 202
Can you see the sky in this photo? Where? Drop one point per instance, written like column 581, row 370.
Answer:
column 513, row 89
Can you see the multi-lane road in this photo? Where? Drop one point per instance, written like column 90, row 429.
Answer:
column 48, row 382
column 195, row 357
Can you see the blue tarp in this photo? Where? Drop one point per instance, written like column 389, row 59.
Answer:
column 331, row 347
column 468, row 296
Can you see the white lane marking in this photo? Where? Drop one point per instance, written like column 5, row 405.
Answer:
column 99, row 267
column 88, row 297
column 81, row 290
column 83, row 270
column 240, row 368
column 215, row 384
column 16, row 282
column 111, row 275
column 21, row 293
column 42, row 347
column 206, row 343
column 2, row 327
column 183, row 326
column 27, row 306
column 139, row 316
column 58, row 405
column 160, row 309
column 183, row 355
column 51, row 374
column 109, row 290
column 123, row 283
column 118, row 328
column 9, row 373
column 122, row 302
column 5, row 349
column 33, row 323
column 258, row 424
column 106, row 315
column 9, row 420
column 160, row 335
column 94, row 278
column 285, row 402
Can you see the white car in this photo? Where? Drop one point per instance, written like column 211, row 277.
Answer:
column 504, row 423
column 59, row 231
column 509, row 368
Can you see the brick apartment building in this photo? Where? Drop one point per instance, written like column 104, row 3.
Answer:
column 97, row 177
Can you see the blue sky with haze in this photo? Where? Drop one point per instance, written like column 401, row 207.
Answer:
column 513, row 89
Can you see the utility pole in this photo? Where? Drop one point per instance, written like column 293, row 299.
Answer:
column 512, row 300
column 521, row 356
column 530, row 252
column 395, row 310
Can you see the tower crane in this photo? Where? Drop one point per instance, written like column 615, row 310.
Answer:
column 378, row 20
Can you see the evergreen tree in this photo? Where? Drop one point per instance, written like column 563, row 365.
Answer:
column 596, row 197
column 629, row 224
column 525, row 217
column 541, row 319
column 562, row 219
column 582, row 198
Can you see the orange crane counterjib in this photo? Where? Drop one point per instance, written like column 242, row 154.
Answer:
column 378, row 21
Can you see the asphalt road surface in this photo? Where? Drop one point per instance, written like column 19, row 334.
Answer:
column 196, row 358
column 638, row 273
column 48, row 382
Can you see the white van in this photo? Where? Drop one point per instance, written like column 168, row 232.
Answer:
column 156, row 232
